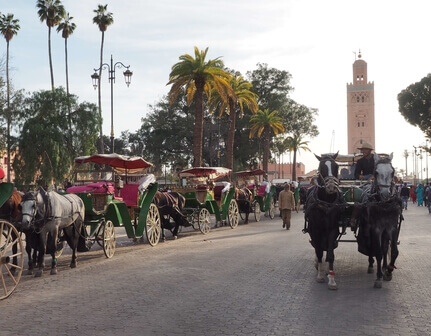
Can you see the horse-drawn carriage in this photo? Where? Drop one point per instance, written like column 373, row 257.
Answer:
column 116, row 193
column 205, row 195
column 11, row 248
column 371, row 209
column 254, row 198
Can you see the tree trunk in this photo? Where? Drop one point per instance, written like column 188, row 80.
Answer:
column 199, row 126
column 8, row 113
column 50, row 58
column 99, row 96
column 69, row 117
column 266, row 150
column 294, row 165
column 230, row 135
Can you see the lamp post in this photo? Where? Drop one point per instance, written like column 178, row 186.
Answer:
column 111, row 70
column 414, row 165
column 426, row 159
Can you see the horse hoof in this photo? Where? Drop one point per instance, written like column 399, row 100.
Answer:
column 332, row 287
column 378, row 283
column 73, row 265
column 175, row 237
column 320, row 279
column 370, row 270
column 30, row 272
column 53, row 271
column 387, row 276
column 38, row 274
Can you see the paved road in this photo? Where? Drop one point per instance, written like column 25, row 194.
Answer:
column 257, row 279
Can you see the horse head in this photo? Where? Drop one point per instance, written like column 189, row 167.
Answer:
column 384, row 177
column 32, row 208
column 328, row 173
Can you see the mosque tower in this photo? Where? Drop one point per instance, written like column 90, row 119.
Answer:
column 360, row 108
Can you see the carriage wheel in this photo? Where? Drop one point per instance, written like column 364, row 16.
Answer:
column 232, row 214
column 11, row 264
column 153, row 227
column 204, row 221
column 257, row 212
column 271, row 210
column 109, row 239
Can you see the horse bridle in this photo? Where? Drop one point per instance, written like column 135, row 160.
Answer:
column 35, row 212
column 377, row 187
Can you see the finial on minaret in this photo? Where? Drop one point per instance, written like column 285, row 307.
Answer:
column 359, row 55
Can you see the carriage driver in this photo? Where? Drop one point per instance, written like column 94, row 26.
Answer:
column 365, row 166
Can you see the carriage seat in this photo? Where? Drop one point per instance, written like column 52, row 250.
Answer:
column 130, row 193
column 261, row 190
column 93, row 188
column 251, row 186
column 218, row 193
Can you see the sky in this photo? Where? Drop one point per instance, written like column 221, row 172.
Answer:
column 314, row 40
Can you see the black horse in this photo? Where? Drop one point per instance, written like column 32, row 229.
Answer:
column 171, row 205
column 379, row 216
column 323, row 208
column 244, row 198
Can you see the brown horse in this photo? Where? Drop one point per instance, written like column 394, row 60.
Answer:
column 244, row 198
column 171, row 205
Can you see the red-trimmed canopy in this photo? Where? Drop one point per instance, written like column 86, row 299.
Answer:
column 121, row 163
column 255, row 172
column 212, row 173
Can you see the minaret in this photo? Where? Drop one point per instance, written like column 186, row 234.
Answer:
column 360, row 108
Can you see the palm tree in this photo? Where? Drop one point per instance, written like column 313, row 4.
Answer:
column 242, row 96
column 262, row 123
column 295, row 144
column 9, row 28
column 50, row 11
column 406, row 155
column 198, row 77
column 103, row 19
column 66, row 27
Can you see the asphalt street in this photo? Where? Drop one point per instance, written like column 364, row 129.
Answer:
column 257, row 279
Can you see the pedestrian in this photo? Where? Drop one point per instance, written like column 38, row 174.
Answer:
column 420, row 194
column 413, row 194
column 404, row 194
column 286, row 202
column 429, row 198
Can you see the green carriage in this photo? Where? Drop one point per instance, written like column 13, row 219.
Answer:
column 116, row 193
column 205, row 196
column 263, row 194
column 11, row 249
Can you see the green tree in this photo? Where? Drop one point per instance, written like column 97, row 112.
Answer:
column 50, row 11
column 9, row 27
column 294, row 144
column 262, row 123
column 271, row 85
column 44, row 146
column 198, row 77
column 415, row 104
column 166, row 134
column 243, row 96
column 103, row 19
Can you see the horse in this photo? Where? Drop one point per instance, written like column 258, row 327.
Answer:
column 244, row 198
column 171, row 205
column 323, row 207
column 48, row 213
column 379, row 217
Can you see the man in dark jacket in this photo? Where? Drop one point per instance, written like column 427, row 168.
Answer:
column 404, row 194
column 365, row 166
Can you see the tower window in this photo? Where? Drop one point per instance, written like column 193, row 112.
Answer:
column 359, row 124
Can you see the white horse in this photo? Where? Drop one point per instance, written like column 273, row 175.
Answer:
column 48, row 213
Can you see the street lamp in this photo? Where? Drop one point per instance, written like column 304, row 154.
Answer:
column 111, row 70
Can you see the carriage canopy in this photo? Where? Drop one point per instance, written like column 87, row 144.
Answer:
column 211, row 173
column 121, row 164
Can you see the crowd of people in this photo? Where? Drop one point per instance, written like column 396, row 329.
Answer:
column 419, row 194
